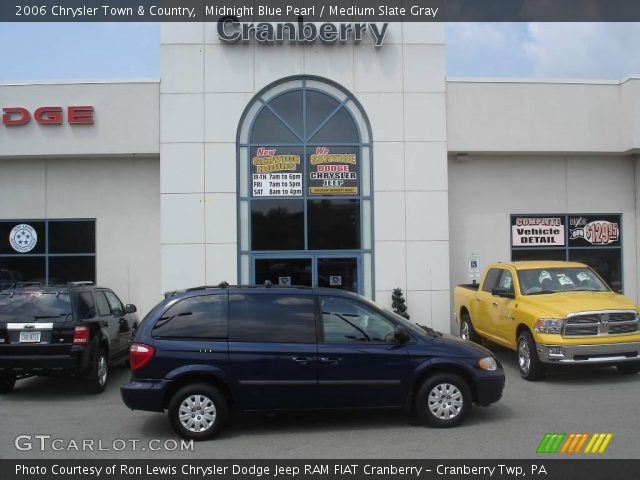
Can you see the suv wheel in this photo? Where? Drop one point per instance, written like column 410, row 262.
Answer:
column 99, row 375
column 197, row 411
column 6, row 383
column 529, row 364
column 466, row 329
column 628, row 368
column 443, row 400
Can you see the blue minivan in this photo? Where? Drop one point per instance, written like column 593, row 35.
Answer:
column 206, row 351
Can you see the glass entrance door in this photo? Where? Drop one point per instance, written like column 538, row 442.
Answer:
column 331, row 271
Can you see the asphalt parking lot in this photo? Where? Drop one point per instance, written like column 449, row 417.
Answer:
column 575, row 400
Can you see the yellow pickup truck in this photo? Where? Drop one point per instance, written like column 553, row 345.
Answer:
column 550, row 313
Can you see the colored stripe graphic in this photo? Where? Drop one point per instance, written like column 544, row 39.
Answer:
column 573, row 443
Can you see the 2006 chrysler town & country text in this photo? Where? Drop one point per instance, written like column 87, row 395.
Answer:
column 206, row 350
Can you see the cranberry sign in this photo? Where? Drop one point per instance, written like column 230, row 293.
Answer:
column 73, row 115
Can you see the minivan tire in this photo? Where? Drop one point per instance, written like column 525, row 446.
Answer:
column 6, row 383
column 193, row 396
column 466, row 329
column 98, row 377
column 445, row 388
column 529, row 364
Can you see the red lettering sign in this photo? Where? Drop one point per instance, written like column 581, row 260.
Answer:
column 81, row 115
column 76, row 115
column 48, row 115
column 15, row 116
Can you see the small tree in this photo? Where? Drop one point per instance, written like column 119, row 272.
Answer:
column 398, row 303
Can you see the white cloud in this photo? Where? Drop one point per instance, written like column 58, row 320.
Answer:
column 583, row 50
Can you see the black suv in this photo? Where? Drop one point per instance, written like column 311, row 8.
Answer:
column 76, row 329
column 206, row 350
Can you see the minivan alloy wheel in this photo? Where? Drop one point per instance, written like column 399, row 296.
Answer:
column 197, row 413
column 524, row 356
column 445, row 401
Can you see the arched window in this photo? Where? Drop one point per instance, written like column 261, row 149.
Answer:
column 304, row 188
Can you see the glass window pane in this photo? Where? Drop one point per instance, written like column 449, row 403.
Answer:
column 289, row 107
column 72, row 237
column 339, row 273
column 276, row 171
column 271, row 318
column 285, row 271
column 86, row 307
column 340, row 129
column 71, row 269
column 101, row 304
column 44, row 307
column 333, row 170
column 269, row 129
column 333, row 224
column 491, row 279
column 22, row 237
column 114, row 303
column 345, row 320
column 21, row 269
column 607, row 262
column 538, row 254
column 204, row 316
column 277, row 225
column 319, row 107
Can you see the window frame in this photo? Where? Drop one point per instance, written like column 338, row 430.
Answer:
column 364, row 145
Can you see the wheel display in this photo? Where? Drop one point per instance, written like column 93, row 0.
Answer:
column 466, row 329
column 6, row 383
column 528, row 362
column 443, row 400
column 96, row 381
column 197, row 411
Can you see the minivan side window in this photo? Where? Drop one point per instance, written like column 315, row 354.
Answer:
column 204, row 316
column 491, row 279
column 346, row 321
column 271, row 318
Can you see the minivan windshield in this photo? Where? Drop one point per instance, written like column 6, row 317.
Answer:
column 539, row 281
column 34, row 306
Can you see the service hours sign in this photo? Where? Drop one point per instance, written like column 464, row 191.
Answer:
column 276, row 173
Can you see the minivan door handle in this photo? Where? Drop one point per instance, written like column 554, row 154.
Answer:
column 330, row 360
column 302, row 360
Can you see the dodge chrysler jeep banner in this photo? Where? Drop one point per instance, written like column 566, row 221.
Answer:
column 333, row 171
column 276, row 173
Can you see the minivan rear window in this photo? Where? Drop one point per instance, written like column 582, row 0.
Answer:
column 204, row 316
column 33, row 306
column 271, row 318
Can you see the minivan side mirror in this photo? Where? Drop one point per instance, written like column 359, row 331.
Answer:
column 130, row 308
column 502, row 292
column 401, row 335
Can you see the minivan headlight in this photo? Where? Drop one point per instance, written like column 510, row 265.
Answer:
column 549, row 325
column 488, row 363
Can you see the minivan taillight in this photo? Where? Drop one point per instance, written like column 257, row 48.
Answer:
column 139, row 355
column 81, row 335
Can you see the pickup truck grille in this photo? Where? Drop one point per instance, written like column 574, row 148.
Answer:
column 601, row 323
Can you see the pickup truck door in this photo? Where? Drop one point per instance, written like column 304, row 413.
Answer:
column 502, row 325
column 482, row 310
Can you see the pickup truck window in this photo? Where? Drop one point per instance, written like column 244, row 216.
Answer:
column 538, row 281
column 491, row 279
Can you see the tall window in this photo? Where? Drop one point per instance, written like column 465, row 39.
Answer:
column 304, row 184
column 47, row 251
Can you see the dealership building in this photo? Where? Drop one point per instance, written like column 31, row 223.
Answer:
column 348, row 160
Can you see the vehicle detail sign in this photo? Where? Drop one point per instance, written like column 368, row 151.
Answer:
column 537, row 231
column 275, row 174
column 333, row 173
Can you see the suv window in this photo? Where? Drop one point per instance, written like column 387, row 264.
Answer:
column 86, row 308
column 102, row 304
column 114, row 303
column 491, row 279
column 271, row 318
column 204, row 316
column 344, row 320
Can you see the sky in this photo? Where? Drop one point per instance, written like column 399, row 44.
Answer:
column 61, row 51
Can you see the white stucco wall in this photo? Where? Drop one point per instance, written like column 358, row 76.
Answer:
column 205, row 87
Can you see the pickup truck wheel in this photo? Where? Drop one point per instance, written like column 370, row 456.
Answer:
column 96, row 381
column 443, row 400
column 466, row 329
column 6, row 383
column 628, row 368
column 529, row 364
column 197, row 411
